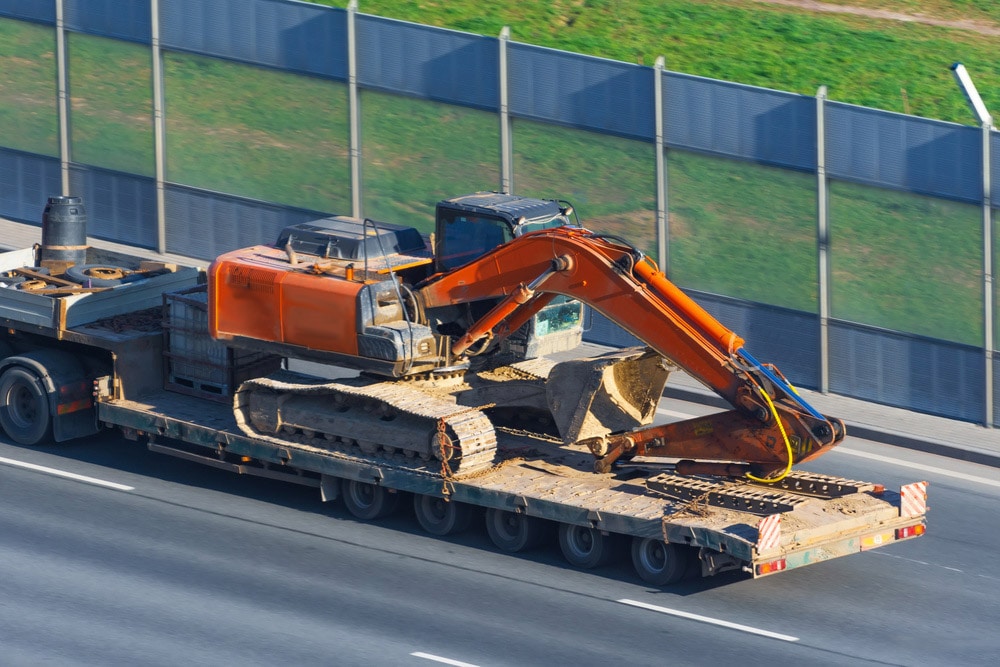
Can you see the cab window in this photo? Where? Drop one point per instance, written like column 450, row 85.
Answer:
column 467, row 237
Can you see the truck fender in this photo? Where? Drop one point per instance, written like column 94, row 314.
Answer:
column 69, row 390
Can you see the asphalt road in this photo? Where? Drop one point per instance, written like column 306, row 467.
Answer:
column 181, row 564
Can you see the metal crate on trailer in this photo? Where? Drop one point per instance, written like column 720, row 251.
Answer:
column 196, row 363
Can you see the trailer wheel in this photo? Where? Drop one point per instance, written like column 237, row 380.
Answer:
column 585, row 547
column 659, row 563
column 98, row 275
column 24, row 407
column 513, row 531
column 369, row 501
column 441, row 517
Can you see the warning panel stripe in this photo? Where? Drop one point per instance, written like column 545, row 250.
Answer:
column 913, row 499
column 769, row 532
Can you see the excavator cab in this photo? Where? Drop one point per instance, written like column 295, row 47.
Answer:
column 470, row 226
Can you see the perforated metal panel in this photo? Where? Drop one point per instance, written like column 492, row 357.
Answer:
column 996, row 389
column 122, row 19
column 120, row 207
column 898, row 151
column 740, row 121
column 432, row 63
column 582, row 91
column 206, row 224
column 26, row 183
column 291, row 35
column 907, row 371
column 786, row 338
column 36, row 10
column 995, row 167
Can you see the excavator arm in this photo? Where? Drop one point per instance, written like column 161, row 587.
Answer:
column 770, row 427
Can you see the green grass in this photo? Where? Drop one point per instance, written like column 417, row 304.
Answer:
column 862, row 61
column 417, row 152
column 112, row 104
column 28, row 117
column 610, row 181
column 906, row 262
column 743, row 230
column 899, row 261
column 257, row 133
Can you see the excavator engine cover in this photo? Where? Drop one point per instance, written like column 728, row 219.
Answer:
column 607, row 394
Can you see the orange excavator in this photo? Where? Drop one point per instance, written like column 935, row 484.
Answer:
column 450, row 341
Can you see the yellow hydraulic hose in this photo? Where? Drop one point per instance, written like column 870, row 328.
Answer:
column 788, row 445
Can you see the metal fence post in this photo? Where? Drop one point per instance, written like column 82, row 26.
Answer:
column 662, row 217
column 822, row 242
column 988, row 272
column 506, row 143
column 354, row 110
column 159, row 128
column 62, row 82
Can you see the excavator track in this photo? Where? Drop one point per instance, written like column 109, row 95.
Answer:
column 370, row 418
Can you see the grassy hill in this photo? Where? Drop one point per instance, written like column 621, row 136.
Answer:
column 899, row 65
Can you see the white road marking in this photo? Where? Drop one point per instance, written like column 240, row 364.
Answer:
column 917, row 466
column 437, row 658
column 712, row 621
column 67, row 475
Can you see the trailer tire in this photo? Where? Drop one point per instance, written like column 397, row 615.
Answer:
column 659, row 563
column 441, row 517
column 98, row 275
column 368, row 501
column 514, row 531
column 24, row 407
column 585, row 547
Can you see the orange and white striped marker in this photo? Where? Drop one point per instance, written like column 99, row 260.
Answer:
column 769, row 532
column 913, row 499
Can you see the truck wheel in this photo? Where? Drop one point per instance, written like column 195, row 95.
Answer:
column 659, row 563
column 440, row 517
column 24, row 407
column 513, row 531
column 585, row 547
column 368, row 501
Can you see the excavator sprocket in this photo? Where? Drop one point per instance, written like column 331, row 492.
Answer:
column 367, row 417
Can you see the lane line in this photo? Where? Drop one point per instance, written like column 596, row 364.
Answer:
column 437, row 658
column 712, row 621
column 67, row 475
column 917, row 466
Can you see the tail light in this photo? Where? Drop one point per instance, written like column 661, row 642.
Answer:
column 911, row 531
column 771, row 566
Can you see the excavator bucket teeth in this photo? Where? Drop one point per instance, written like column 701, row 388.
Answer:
column 614, row 392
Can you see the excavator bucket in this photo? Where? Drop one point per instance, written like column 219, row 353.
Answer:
column 614, row 392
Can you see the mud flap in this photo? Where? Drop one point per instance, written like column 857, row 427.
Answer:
column 614, row 392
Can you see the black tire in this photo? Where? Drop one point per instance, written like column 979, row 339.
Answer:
column 13, row 279
column 441, row 517
column 24, row 407
column 659, row 563
column 98, row 275
column 514, row 531
column 368, row 501
column 585, row 547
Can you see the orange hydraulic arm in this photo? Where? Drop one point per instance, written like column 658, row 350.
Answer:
column 770, row 428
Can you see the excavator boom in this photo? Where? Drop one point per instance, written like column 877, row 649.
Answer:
column 771, row 427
